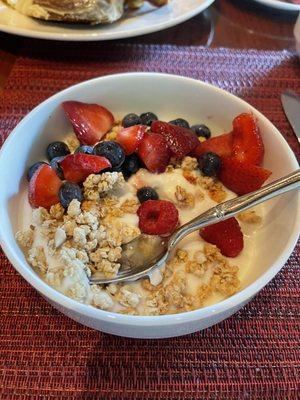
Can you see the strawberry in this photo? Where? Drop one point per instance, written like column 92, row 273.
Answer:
column 242, row 177
column 220, row 145
column 154, row 152
column 130, row 138
column 44, row 187
column 226, row 235
column 247, row 142
column 90, row 121
column 157, row 217
column 181, row 141
column 77, row 167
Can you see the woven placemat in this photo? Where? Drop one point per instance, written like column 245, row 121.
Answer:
column 253, row 355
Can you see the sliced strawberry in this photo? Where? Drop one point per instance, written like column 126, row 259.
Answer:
column 77, row 167
column 226, row 235
column 44, row 187
column 130, row 138
column 154, row 152
column 242, row 177
column 157, row 217
column 181, row 141
column 221, row 145
column 247, row 142
column 90, row 121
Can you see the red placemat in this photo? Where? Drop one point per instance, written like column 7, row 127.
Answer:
column 253, row 355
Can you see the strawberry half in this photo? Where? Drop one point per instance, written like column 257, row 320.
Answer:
column 90, row 121
column 154, row 152
column 226, row 235
column 130, row 138
column 77, row 167
column 181, row 141
column 44, row 187
column 247, row 142
column 220, row 145
column 242, row 177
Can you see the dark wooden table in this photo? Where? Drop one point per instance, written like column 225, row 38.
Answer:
column 226, row 23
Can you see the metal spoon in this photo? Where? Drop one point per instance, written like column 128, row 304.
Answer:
column 145, row 254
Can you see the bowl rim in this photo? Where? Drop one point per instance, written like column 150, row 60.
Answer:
column 232, row 302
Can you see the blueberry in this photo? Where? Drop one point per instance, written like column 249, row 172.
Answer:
column 68, row 192
column 130, row 120
column 84, row 150
column 54, row 163
column 33, row 168
column 180, row 122
column 112, row 151
column 146, row 193
column 131, row 165
column 147, row 118
column 209, row 163
column 202, row 130
column 57, row 149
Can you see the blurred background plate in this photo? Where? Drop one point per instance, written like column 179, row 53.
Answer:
column 146, row 20
column 287, row 5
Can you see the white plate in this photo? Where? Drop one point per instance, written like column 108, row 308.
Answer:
column 147, row 20
column 281, row 5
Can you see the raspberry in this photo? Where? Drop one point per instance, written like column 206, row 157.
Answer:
column 157, row 217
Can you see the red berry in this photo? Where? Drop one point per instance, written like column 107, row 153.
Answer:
column 157, row 217
column 90, row 121
column 181, row 141
column 154, row 152
column 226, row 235
column 220, row 145
column 77, row 167
column 242, row 177
column 247, row 142
column 130, row 138
column 44, row 187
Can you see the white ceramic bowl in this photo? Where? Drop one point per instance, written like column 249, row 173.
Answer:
column 169, row 96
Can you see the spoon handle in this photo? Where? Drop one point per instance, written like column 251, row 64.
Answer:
column 234, row 206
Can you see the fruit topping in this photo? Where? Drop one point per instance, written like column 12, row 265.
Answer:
column 131, row 120
column 209, row 163
column 154, row 152
column 157, row 217
column 54, row 163
column 247, row 142
column 181, row 141
column 147, row 118
column 130, row 138
column 131, row 165
column 112, row 151
column 77, row 167
column 146, row 193
column 57, row 149
column 33, row 168
column 90, row 121
column 69, row 191
column 220, row 145
column 202, row 131
column 242, row 177
column 84, row 149
column 180, row 122
column 44, row 187
column 226, row 235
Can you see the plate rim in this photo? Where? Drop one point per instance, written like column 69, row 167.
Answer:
column 99, row 36
column 280, row 5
